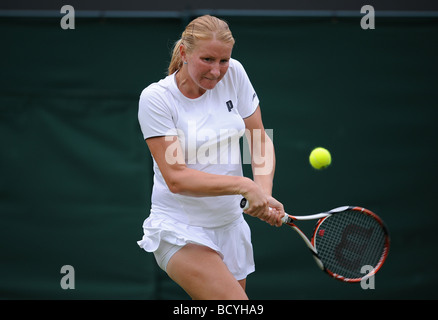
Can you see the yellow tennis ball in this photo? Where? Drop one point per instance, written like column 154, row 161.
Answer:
column 320, row 158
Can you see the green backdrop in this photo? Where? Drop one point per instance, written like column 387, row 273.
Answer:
column 75, row 173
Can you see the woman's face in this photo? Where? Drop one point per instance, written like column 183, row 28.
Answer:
column 209, row 62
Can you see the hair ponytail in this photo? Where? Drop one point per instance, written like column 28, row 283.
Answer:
column 176, row 61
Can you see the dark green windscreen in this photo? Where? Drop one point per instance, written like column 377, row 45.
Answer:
column 76, row 174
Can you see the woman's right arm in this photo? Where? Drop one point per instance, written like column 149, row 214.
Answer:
column 180, row 179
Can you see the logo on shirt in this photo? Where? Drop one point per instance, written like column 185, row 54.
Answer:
column 229, row 105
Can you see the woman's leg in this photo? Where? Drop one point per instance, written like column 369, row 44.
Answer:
column 201, row 272
column 242, row 283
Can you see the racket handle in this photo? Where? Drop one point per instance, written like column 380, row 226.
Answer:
column 286, row 218
column 244, row 204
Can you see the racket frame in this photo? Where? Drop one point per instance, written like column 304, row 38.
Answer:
column 289, row 219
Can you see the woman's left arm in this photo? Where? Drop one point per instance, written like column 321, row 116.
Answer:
column 262, row 156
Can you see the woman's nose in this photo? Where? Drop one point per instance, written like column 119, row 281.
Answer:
column 215, row 71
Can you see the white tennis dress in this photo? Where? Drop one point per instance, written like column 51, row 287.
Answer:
column 208, row 129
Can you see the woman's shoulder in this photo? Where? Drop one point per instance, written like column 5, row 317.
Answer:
column 236, row 69
column 235, row 65
column 158, row 88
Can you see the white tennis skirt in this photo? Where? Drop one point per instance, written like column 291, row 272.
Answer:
column 164, row 236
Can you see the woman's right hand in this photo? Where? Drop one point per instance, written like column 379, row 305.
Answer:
column 260, row 206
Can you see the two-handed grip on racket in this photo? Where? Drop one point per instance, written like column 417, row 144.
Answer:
column 244, row 204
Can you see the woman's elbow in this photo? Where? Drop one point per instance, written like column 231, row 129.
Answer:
column 175, row 188
column 176, row 180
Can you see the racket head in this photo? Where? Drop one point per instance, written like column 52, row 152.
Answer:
column 349, row 239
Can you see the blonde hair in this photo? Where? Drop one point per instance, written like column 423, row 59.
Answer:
column 202, row 28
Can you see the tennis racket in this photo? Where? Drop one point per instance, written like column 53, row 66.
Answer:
column 344, row 240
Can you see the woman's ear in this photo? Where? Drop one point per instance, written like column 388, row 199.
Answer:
column 182, row 53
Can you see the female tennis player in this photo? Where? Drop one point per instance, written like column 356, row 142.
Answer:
column 192, row 121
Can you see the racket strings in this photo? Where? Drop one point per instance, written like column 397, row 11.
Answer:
column 349, row 240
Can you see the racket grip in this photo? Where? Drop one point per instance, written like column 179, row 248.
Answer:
column 244, row 204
